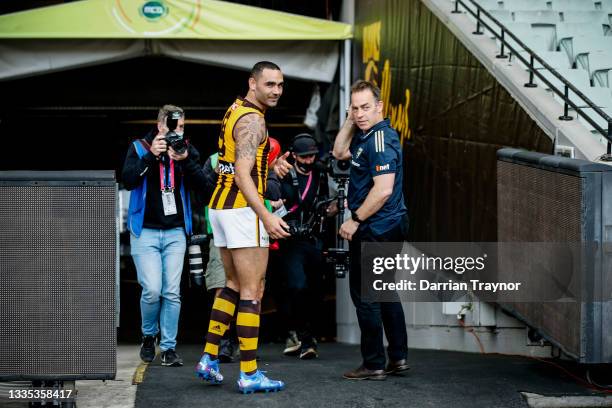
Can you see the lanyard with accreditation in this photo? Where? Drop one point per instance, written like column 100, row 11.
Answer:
column 166, row 177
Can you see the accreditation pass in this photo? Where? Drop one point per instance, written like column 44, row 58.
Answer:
column 169, row 202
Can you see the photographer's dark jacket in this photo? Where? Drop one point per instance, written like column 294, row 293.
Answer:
column 375, row 152
column 141, row 174
column 300, row 200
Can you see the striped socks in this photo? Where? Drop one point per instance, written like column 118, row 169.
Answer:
column 220, row 318
column 247, row 327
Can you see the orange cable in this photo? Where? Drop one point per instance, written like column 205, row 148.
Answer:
column 575, row 377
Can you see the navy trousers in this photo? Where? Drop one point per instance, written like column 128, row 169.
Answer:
column 374, row 317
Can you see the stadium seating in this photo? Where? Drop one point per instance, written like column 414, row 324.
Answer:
column 582, row 46
column 525, row 5
column 567, row 31
column 599, row 65
column 605, row 5
column 572, row 5
column 574, row 37
column 577, row 77
column 555, row 59
column 537, row 17
column 525, row 33
column 490, row 4
column 582, row 16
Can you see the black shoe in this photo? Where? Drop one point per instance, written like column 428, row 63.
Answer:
column 227, row 349
column 292, row 345
column 169, row 358
column 394, row 367
column 147, row 349
column 308, row 352
column 362, row 373
column 308, row 349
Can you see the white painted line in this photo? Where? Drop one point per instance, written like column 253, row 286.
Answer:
column 541, row 401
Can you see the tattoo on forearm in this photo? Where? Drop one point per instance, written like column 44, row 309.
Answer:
column 249, row 132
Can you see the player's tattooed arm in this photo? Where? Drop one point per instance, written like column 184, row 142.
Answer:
column 248, row 134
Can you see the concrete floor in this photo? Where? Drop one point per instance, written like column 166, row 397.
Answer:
column 117, row 393
column 436, row 379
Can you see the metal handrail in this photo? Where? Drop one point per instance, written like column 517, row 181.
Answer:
column 533, row 56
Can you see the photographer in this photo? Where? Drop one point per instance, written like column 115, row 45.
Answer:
column 378, row 214
column 300, row 257
column 158, row 170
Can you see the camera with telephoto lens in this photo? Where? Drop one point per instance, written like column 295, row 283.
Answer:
column 174, row 140
column 196, row 263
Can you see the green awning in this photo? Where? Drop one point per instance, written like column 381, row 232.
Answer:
column 166, row 19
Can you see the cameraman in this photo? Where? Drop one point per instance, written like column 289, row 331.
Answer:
column 378, row 214
column 159, row 216
column 300, row 257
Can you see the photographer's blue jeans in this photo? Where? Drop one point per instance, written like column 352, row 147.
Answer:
column 158, row 256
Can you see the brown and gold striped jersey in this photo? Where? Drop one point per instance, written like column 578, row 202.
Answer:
column 226, row 194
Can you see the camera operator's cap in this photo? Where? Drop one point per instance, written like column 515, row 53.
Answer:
column 304, row 144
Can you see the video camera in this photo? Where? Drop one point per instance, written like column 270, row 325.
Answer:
column 174, row 140
column 300, row 231
column 339, row 169
column 311, row 227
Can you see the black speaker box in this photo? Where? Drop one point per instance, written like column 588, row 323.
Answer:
column 58, row 275
column 553, row 199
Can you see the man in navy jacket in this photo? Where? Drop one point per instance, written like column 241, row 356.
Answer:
column 378, row 214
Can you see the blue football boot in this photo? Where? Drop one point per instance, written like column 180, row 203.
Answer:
column 248, row 384
column 208, row 370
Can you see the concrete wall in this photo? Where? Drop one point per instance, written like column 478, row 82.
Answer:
column 430, row 328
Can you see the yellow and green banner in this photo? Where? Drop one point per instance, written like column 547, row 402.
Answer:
column 169, row 19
